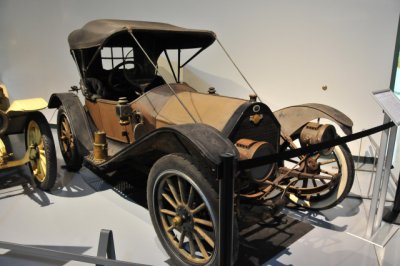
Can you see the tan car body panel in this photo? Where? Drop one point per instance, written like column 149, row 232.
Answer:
column 211, row 110
column 159, row 108
column 105, row 119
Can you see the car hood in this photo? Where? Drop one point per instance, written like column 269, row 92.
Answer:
column 166, row 108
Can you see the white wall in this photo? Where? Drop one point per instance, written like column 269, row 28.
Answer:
column 287, row 49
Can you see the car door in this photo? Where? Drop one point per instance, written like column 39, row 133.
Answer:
column 103, row 113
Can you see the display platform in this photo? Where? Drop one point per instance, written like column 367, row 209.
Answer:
column 72, row 215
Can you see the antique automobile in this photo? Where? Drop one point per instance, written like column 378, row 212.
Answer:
column 132, row 117
column 24, row 116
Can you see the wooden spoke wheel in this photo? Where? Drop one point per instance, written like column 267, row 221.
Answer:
column 183, row 207
column 330, row 179
column 67, row 141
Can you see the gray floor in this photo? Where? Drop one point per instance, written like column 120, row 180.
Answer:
column 71, row 216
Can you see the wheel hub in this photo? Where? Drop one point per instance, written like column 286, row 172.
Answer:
column 177, row 221
column 183, row 218
column 312, row 165
column 34, row 152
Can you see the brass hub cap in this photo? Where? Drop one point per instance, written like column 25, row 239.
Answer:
column 177, row 221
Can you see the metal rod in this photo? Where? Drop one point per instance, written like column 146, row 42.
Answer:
column 385, row 180
column 226, row 218
column 94, row 56
column 112, row 57
column 237, row 68
column 359, row 155
column 193, row 56
column 63, row 256
column 179, row 65
column 378, row 180
column 376, row 151
column 170, row 65
column 156, row 68
column 373, row 143
column 373, row 169
column 76, row 63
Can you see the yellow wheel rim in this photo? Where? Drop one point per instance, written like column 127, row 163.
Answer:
column 35, row 143
column 3, row 151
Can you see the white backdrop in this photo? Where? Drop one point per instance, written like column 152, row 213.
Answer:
column 287, row 49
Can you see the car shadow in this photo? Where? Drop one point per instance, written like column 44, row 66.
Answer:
column 71, row 184
column 259, row 243
column 129, row 183
column 18, row 181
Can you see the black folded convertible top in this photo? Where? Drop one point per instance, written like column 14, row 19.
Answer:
column 96, row 32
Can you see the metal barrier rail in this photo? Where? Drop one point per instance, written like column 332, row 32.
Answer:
column 105, row 253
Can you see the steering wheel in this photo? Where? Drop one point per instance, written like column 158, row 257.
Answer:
column 121, row 79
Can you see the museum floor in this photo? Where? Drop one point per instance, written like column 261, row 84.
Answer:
column 71, row 216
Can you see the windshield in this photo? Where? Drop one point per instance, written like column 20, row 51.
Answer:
column 204, row 70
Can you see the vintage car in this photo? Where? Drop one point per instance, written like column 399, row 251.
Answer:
column 132, row 117
column 24, row 116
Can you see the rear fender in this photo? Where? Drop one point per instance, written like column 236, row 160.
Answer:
column 27, row 105
column 293, row 118
column 78, row 119
column 19, row 106
column 13, row 116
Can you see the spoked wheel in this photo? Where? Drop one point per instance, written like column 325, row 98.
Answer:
column 183, row 208
column 67, row 140
column 39, row 141
column 330, row 179
column 3, row 150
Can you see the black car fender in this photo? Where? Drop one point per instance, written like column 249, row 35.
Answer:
column 293, row 118
column 78, row 119
column 200, row 141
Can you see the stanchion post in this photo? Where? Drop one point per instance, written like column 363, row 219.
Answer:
column 378, row 180
column 226, row 192
column 391, row 214
column 386, row 175
column 106, row 247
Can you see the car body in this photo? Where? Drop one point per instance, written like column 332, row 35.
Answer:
column 23, row 116
column 133, row 117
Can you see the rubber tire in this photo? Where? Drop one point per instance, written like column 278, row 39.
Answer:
column 188, row 166
column 342, row 189
column 50, row 151
column 74, row 162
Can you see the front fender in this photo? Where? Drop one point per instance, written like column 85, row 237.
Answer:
column 78, row 119
column 200, row 141
column 293, row 118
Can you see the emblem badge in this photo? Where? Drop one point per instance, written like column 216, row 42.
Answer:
column 256, row 119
